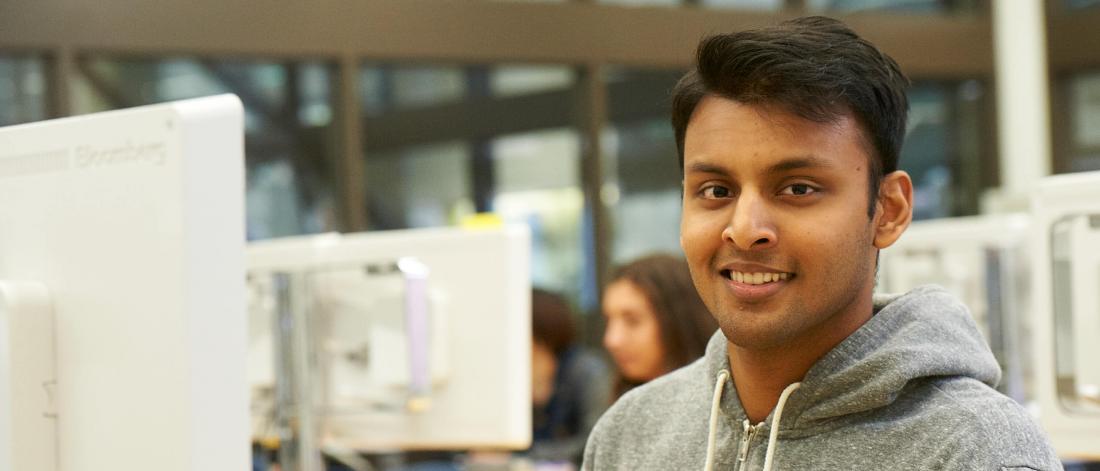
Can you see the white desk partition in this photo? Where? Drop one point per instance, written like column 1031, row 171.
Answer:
column 1066, row 236
column 352, row 293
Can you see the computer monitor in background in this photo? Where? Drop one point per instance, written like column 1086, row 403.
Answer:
column 1066, row 274
column 417, row 339
column 129, row 227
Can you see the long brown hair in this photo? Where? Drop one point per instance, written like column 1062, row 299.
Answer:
column 684, row 321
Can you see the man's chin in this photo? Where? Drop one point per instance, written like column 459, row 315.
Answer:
column 754, row 337
column 768, row 307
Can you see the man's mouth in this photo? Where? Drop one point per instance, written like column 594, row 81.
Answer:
column 756, row 278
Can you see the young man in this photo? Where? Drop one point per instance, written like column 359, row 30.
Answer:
column 789, row 139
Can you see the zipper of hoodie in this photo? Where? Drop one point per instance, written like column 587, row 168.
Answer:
column 746, row 437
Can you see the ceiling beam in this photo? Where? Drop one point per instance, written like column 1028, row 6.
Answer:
column 927, row 46
column 1072, row 41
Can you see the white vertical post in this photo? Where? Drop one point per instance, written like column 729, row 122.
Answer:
column 1023, row 102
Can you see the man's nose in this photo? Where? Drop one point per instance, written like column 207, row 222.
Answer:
column 751, row 226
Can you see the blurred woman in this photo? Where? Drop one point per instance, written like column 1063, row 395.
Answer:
column 569, row 385
column 655, row 320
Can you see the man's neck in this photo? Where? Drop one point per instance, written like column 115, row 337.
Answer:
column 761, row 375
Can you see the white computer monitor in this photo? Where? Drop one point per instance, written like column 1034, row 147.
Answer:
column 128, row 227
column 1066, row 278
column 358, row 292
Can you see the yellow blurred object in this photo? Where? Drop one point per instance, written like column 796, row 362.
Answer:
column 418, row 404
column 269, row 443
column 482, row 221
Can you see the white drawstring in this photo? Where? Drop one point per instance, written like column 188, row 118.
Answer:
column 721, row 383
column 774, row 435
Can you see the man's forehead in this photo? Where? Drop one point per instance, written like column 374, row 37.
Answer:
column 770, row 114
column 722, row 129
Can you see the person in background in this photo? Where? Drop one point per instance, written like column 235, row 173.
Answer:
column 656, row 322
column 570, row 385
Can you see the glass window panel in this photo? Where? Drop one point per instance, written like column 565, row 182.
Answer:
column 386, row 87
column 645, row 192
column 1081, row 4
column 315, row 95
column 519, row 80
column 642, row 185
column 374, row 90
column 420, row 86
column 287, row 119
column 557, row 252
column 538, row 183
column 1084, row 91
column 22, row 90
column 1085, row 95
column 484, row 138
column 943, row 148
column 925, row 153
column 421, row 186
column 536, row 161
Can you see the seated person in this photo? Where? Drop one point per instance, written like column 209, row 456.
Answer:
column 570, row 386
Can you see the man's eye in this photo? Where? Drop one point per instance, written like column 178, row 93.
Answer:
column 714, row 191
column 798, row 189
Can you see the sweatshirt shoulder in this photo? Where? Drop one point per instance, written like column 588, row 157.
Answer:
column 935, row 423
column 658, row 402
column 987, row 428
column 658, row 422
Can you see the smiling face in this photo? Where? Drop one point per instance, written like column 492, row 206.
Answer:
column 775, row 225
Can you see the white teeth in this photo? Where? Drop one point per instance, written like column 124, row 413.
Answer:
column 758, row 278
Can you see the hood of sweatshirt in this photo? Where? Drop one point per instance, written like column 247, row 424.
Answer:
column 925, row 333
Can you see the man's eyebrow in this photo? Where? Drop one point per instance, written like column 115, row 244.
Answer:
column 703, row 167
column 786, row 165
column 799, row 163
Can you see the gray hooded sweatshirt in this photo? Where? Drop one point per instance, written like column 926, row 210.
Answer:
column 910, row 389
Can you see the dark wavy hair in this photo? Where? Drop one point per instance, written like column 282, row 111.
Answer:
column 684, row 321
column 552, row 321
column 813, row 67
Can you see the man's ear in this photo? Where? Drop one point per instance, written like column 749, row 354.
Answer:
column 894, row 208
